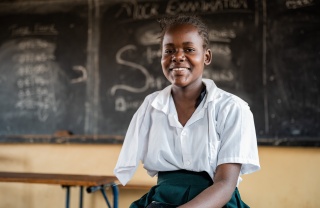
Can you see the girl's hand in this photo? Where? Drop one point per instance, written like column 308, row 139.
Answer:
column 155, row 204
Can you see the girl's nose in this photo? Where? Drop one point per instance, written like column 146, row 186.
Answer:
column 178, row 56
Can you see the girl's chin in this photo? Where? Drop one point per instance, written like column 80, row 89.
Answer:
column 180, row 82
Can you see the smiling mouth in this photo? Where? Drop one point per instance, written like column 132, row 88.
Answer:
column 179, row 69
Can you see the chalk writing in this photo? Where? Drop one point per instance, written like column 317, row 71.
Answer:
column 33, row 80
column 29, row 69
column 152, row 54
column 36, row 29
column 222, row 49
column 34, row 77
column 176, row 6
column 138, row 67
column 146, row 10
column 139, row 11
column 122, row 105
column 41, row 29
column 149, row 81
column 29, row 57
column 223, row 35
column 150, row 37
column 82, row 78
column 295, row 4
column 35, row 44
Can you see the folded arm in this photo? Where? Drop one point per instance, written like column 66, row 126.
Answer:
column 217, row 195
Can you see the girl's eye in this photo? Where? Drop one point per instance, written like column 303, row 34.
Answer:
column 168, row 51
column 189, row 50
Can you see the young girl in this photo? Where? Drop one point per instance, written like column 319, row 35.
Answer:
column 197, row 138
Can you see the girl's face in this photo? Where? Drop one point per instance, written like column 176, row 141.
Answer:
column 183, row 55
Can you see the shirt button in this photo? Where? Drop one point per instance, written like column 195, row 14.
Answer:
column 188, row 162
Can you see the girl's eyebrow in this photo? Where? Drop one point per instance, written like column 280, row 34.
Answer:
column 184, row 44
column 187, row 43
column 169, row 44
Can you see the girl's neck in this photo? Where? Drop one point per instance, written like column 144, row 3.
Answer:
column 190, row 93
column 186, row 101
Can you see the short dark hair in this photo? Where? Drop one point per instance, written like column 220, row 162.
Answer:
column 196, row 21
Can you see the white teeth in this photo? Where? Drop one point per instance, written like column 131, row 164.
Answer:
column 179, row 69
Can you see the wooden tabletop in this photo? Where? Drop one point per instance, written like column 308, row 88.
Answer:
column 62, row 179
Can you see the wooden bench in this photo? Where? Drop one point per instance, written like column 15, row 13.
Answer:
column 92, row 182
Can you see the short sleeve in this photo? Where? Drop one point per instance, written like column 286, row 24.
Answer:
column 238, row 141
column 133, row 146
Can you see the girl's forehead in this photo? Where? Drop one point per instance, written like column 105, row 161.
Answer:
column 179, row 32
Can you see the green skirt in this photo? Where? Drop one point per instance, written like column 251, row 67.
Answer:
column 175, row 188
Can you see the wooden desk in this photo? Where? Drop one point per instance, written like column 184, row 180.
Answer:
column 93, row 183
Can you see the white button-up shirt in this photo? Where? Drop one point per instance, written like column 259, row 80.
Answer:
column 221, row 130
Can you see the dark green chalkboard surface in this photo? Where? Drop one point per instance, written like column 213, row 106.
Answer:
column 76, row 71
column 43, row 69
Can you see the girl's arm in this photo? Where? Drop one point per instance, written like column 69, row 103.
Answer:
column 219, row 194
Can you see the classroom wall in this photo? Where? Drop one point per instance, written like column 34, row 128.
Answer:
column 289, row 176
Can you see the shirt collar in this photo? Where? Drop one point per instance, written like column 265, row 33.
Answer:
column 213, row 91
column 161, row 102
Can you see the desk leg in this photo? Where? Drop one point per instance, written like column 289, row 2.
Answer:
column 81, row 197
column 115, row 195
column 92, row 189
column 67, row 195
column 105, row 197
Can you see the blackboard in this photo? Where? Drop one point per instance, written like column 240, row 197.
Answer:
column 43, row 70
column 292, row 69
column 84, row 67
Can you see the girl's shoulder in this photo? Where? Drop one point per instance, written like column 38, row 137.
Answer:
column 222, row 100
column 229, row 98
column 219, row 97
column 152, row 95
column 160, row 97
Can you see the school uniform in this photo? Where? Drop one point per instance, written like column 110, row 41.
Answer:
column 221, row 130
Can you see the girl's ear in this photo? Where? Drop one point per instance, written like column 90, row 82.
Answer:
column 207, row 57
